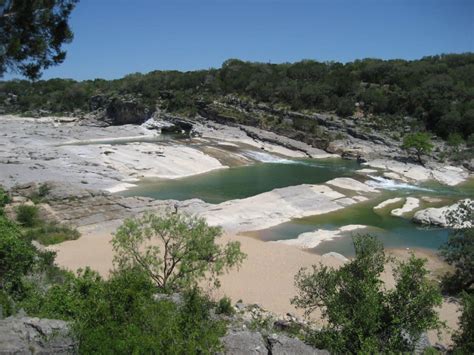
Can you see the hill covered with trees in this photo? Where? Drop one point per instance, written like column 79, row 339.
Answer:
column 437, row 91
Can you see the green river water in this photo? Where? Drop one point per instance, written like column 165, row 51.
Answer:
column 245, row 181
column 240, row 182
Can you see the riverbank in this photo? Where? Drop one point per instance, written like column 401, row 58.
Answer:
column 62, row 149
column 114, row 158
column 266, row 277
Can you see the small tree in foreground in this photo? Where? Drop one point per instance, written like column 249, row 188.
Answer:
column 464, row 337
column 458, row 251
column 361, row 315
column 175, row 250
column 420, row 142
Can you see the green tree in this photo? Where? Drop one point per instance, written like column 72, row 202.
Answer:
column 175, row 251
column 455, row 140
column 464, row 338
column 32, row 34
column 420, row 142
column 458, row 251
column 361, row 315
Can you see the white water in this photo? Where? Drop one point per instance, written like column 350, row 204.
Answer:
column 267, row 158
column 392, row 185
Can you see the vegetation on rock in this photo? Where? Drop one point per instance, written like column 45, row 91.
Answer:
column 121, row 315
column 27, row 215
column 420, row 142
column 4, row 199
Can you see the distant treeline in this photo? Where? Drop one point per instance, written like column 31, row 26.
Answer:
column 438, row 91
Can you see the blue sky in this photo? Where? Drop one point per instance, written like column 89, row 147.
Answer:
column 117, row 37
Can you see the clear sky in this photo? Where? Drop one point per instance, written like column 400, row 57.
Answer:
column 117, row 37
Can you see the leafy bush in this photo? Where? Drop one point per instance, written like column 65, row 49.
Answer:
column 464, row 338
column 39, row 195
column 17, row 257
column 120, row 315
column 6, row 304
column 458, row 251
column 455, row 140
column 224, row 306
column 345, row 108
column 4, row 198
column 27, row 215
column 361, row 315
column 52, row 233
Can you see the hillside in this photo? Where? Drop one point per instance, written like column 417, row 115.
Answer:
column 434, row 93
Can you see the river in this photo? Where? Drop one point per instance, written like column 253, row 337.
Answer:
column 274, row 172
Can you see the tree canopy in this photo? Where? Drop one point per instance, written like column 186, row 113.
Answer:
column 174, row 250
column 420, row 142
column 32, row 34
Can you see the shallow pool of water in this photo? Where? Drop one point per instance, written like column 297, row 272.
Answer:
column 394, row 232
column 245, row 181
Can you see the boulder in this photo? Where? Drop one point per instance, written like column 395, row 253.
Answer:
column 24, row 335
column 469, row 165
column 283, row 345
column 243, row 343
column 125, row 111
column 458, row 215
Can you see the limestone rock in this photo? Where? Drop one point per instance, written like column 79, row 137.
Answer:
column 122, row 111
column 411, row 204
column 284, row 345
column 388, row 202
column 458, row 215
column 35, row 336
column 350, row 184
column 244, row 343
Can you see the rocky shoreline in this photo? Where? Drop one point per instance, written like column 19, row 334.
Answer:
column 84, row 162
